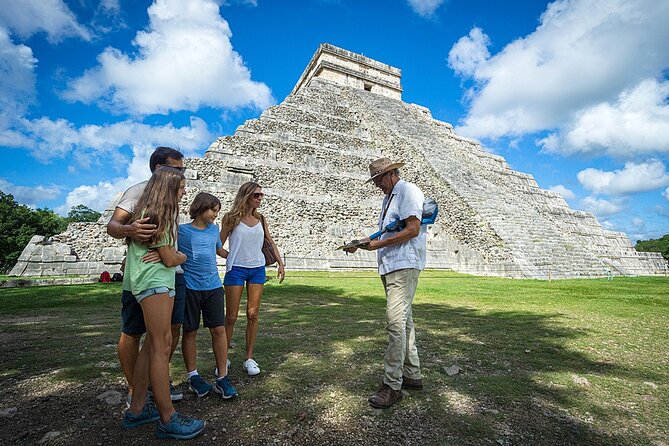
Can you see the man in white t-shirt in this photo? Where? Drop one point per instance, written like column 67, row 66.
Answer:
column 401, row 257
column 132, row 318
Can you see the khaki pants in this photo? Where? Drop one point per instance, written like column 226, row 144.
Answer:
column 401, row 355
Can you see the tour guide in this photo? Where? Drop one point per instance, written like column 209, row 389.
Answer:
column 401, row 257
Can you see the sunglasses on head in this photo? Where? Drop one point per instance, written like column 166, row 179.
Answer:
column 257, row 195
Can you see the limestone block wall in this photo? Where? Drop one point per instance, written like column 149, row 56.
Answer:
column 83, row 249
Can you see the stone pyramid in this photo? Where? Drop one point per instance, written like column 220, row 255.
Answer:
column 310, row 153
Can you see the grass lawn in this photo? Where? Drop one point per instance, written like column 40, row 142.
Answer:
column 562, row 362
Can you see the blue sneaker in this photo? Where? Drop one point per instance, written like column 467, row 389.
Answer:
column 225, row 388
column 199, row 385
column 180, row 427
column 149, row 414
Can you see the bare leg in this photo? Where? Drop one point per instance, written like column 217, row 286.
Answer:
column 219, row 341
column 157, row 316
column 254, row 294
column 233, row 294
column 128, row 350
column 176, row 332
column 189, row 350
column 141, row 379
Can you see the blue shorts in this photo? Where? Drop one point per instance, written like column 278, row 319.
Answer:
column 238, row 275
column 132, row 318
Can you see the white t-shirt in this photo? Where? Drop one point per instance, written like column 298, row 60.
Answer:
column 131, row 197
column 246, row 246
column 407, row 200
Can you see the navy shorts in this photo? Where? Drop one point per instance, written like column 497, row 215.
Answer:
column 239, row 275
column 209, row 303
column 132, row 318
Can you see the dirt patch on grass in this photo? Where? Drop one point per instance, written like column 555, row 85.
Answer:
column 37, row 410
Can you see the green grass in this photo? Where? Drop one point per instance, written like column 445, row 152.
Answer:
column 586, row 361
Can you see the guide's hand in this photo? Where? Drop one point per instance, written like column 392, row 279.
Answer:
column 151, row 256
column 141, row 230
column 369, row 245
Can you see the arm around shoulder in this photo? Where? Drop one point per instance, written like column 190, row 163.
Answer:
column 140, row 230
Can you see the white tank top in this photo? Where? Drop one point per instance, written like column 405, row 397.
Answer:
column 246, row 247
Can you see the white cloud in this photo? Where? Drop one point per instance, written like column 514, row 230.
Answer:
column 469, row 52
column 601, row 207
column 97, row 196
column 17, row 84
column 637, row 123
column 563, row 191
column 638, row 222
column 28, row 17
column 425, row 8
column 665, row 194
column 30, row 195
column 184, row 61
column 633, row 178
column 52, row 139
column 584, row 53
column 94, row 142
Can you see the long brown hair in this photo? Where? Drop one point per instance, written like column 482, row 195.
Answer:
column 160, row 202
column 240, row 206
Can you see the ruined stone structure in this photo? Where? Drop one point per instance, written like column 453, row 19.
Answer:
column 310, row 153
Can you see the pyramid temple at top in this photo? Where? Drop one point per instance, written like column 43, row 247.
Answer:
column 310, row 154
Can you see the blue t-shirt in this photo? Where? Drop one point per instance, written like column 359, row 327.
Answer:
column 199, row 245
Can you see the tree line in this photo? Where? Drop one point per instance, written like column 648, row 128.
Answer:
column 660, row 245
column 19, row 223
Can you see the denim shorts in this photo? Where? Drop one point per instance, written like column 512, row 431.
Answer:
column 157, row 290
column 132, row 318
column 239, row 275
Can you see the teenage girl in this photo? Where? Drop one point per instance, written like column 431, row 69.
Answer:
column 153, row 286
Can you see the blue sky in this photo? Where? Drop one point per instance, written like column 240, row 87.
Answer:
column 573, row 92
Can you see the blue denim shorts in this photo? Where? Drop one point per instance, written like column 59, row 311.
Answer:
column 157, row 290
column 239, row 275
column 132, row 318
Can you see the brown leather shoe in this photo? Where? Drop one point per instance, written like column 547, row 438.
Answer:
column 385, row 397
column 414, row 384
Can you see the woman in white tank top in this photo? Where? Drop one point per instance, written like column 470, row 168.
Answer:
column 245, row 264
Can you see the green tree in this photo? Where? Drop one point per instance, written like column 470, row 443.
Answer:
column 80, row 213
column 18, row 223
column 660, row 245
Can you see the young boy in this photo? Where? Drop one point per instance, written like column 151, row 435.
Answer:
column 200, row 241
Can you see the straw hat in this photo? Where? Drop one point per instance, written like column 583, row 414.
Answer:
column 381, row 166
